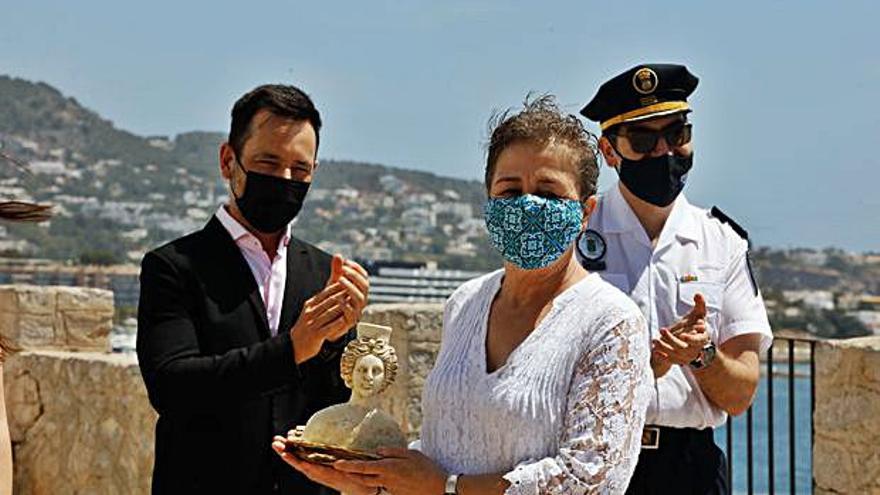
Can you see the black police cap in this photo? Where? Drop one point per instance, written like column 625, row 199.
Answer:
column 643, row 92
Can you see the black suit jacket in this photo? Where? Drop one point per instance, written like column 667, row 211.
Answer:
column 222, row 385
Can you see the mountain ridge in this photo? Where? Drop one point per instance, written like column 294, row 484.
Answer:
column 101, row 175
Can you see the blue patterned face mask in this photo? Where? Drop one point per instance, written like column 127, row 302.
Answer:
column 530, row 231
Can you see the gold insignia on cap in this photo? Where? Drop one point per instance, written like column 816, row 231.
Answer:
column 664, row 107
column 645, row 81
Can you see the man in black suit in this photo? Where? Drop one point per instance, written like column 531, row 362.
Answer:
column 241, row 325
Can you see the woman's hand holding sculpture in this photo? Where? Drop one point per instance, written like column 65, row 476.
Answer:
column 401, row 472
column 325, row 475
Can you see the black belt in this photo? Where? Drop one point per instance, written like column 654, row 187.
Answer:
column 655, row 436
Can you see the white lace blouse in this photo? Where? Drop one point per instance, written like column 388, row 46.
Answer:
column 564, row 414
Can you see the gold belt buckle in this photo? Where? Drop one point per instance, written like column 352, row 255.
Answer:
column 651, row 438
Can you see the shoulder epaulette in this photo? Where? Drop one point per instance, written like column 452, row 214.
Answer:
column 723, row 218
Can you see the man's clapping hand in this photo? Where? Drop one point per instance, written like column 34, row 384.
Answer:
column 332, row 312
column 681, row 343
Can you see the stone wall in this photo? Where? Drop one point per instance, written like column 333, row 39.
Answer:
column 416, row 338
column 79, row 418
column 81, row 422
column 62, row 318
column 846, row 452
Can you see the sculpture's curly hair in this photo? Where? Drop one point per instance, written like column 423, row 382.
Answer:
column 361, row 347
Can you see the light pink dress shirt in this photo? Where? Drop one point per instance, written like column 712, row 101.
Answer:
column 270, row 275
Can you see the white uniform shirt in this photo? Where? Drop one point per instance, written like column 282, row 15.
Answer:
column 696, row 253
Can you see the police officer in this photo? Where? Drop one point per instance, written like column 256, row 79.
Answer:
column 687, row 269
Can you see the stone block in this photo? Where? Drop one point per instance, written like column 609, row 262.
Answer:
column 416, row 337
column 81, row 421
column 419, row 322
column 8, row 299
column 84, row 299
column 36, row 331
column 36, row 300
column 9, row 325
column 420, row 364
column 37, row 317
column 87, row 330
column 22, row 397
column 847, row 416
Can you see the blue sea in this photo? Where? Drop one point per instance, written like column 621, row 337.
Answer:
column 803, row 457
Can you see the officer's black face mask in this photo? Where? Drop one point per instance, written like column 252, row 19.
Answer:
column 269, row 203
column 656, row 180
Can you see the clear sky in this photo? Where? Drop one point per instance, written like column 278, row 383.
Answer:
column 786, row 114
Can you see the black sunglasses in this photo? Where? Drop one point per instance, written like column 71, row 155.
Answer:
column 643, row 141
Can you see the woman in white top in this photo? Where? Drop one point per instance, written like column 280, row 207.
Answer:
column 543, row 376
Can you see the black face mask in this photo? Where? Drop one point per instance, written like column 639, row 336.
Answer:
column 269, row 203
column 657, row 180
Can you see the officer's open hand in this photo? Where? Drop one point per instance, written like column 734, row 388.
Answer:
column 682, row 343
column 333, row 311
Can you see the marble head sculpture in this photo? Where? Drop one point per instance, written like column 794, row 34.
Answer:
column 368, row 367
column 369, row 363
